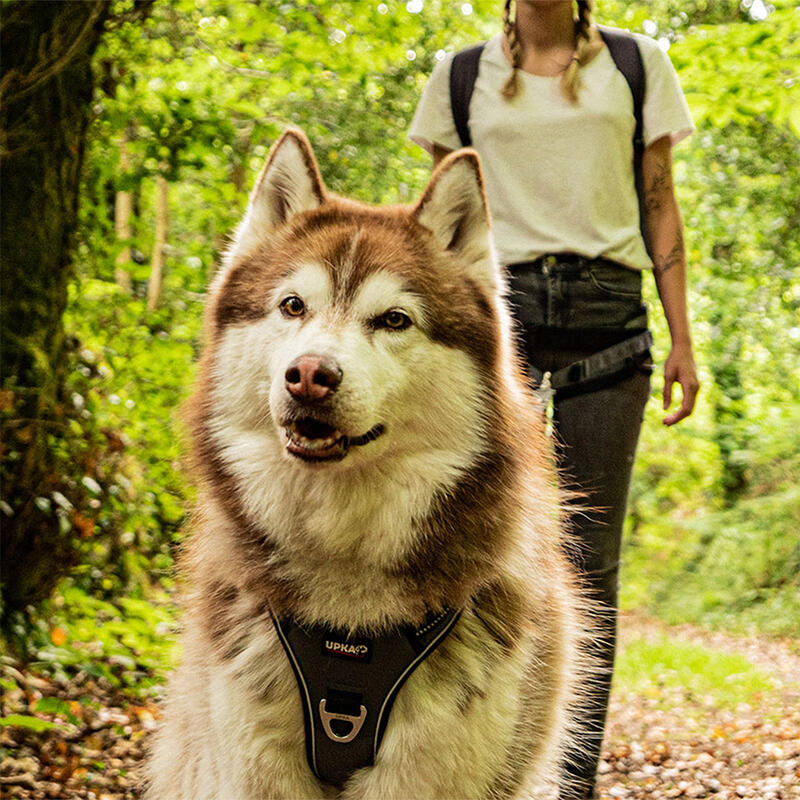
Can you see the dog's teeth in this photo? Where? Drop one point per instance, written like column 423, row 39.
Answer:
column 311, row 444
column 317, row 444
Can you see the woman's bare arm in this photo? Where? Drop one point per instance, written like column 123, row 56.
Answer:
column 665, row 232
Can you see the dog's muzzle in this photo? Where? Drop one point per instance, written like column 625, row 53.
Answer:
column 312, row 380
column 311, row 439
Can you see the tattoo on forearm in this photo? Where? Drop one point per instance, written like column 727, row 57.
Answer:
column 660, row 185
column 675, row 256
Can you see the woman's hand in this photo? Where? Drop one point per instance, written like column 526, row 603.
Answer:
column 680, row 368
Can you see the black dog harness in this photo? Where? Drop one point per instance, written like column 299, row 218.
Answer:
column 349, row 683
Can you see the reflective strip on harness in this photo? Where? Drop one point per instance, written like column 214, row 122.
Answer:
column 582, row 375
column 348, row 685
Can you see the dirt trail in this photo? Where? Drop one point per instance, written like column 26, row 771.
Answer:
column 663, row 745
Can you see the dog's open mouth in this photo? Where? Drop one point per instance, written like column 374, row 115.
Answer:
column 313, row 440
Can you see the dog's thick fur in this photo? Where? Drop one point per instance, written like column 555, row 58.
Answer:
column 454, row 504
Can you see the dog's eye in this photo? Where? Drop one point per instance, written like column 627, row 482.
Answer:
column 393, row 320
column 292, row 306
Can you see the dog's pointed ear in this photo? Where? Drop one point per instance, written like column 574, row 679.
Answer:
column 288, row 184
column 454, row 208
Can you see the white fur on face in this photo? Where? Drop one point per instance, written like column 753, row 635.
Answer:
column 425, row 394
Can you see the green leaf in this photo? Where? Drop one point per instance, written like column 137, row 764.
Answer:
column 30, row 723
column 55, row 705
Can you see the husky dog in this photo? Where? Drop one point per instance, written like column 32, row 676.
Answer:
column 369, row 458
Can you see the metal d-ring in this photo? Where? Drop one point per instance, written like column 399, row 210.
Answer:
column 356, row 722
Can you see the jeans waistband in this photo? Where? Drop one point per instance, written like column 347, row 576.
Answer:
column 561, row 262
column 589, row 339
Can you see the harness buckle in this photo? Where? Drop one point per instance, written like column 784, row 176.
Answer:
column 327, row 717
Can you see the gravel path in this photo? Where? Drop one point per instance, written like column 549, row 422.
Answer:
column 676, row 744
column 659, row 745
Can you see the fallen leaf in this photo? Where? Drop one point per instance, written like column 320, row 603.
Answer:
column 25, row 434
column 84, row 525
column 58, row 636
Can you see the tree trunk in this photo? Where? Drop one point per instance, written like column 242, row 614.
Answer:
column 162, row 221
column 123, row 208
column 46, row 92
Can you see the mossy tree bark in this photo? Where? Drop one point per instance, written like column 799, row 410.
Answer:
column 46, row 91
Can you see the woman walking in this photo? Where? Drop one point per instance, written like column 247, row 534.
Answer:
column 580, row 209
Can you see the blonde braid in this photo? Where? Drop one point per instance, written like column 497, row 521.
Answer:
column 587, row 44
column 511, row 86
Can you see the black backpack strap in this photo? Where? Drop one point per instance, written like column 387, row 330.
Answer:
column 463, row 73
column 625, row 53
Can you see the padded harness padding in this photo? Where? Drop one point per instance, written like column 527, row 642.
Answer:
column 349, row 683
column 627, row 58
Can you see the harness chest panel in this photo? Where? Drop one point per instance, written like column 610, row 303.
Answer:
column 348, row 685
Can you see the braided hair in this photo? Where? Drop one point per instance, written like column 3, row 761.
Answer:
column 588, row 42
column 511, row 86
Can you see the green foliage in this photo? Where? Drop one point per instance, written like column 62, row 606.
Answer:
column 128, row 642
column 199, row 92
column 131, row 369
column 739, row 568
column 28, row 723
column 55, row 705
column 655, row 666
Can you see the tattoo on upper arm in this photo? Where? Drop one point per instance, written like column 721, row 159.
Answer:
column 660, row 184
column 675, row 256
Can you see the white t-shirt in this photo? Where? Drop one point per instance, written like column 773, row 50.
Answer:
column 559, row 175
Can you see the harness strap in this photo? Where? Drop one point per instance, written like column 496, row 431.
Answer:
column 348, row 684
column 586, row 375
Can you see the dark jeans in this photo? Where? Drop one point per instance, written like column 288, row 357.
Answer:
column 588, row 306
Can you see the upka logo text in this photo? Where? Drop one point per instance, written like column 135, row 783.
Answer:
column 347, row 649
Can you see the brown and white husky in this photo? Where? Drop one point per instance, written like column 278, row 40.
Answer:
column 369, row 456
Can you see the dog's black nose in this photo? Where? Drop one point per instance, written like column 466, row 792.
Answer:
column 311, row 377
